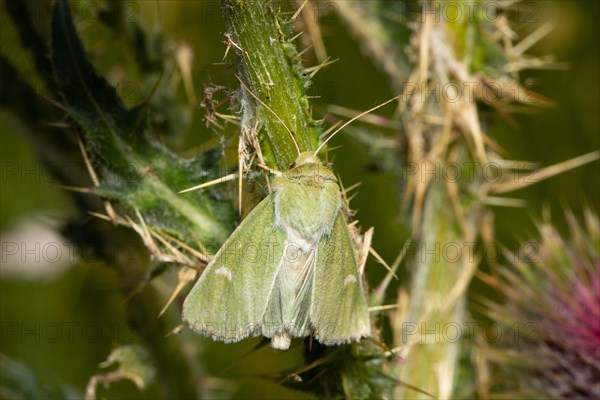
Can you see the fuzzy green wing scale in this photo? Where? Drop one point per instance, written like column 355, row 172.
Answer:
column 229, row 300
column 339, row 312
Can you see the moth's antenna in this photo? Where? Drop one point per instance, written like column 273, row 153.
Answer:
column 273, row 112
column 222, row 179
column 352, row 120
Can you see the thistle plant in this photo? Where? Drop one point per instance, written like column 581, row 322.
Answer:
column 444, row 73
column 138, row 178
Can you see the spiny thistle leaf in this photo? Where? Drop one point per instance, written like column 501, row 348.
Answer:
column 143, row 175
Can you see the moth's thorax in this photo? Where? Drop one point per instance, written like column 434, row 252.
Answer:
column 307, row 200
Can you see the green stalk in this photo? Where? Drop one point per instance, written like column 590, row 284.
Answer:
column 441, row 130
column 436, row 316
column 258, row 36
column 445, row 216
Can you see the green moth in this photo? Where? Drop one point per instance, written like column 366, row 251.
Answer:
column 289, row 269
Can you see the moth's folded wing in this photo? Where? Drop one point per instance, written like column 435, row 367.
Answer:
column 229, row 299
column 339, row 312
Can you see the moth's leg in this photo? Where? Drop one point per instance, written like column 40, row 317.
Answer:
column 264, row 167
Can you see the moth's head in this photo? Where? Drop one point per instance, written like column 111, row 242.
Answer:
column 308, row 166
column 306, row 158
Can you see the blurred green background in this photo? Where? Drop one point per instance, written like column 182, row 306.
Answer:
column 62, row 322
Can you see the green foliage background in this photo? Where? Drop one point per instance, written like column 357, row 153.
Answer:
column 88, row 296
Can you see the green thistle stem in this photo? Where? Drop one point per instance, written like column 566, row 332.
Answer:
column 258, row 39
